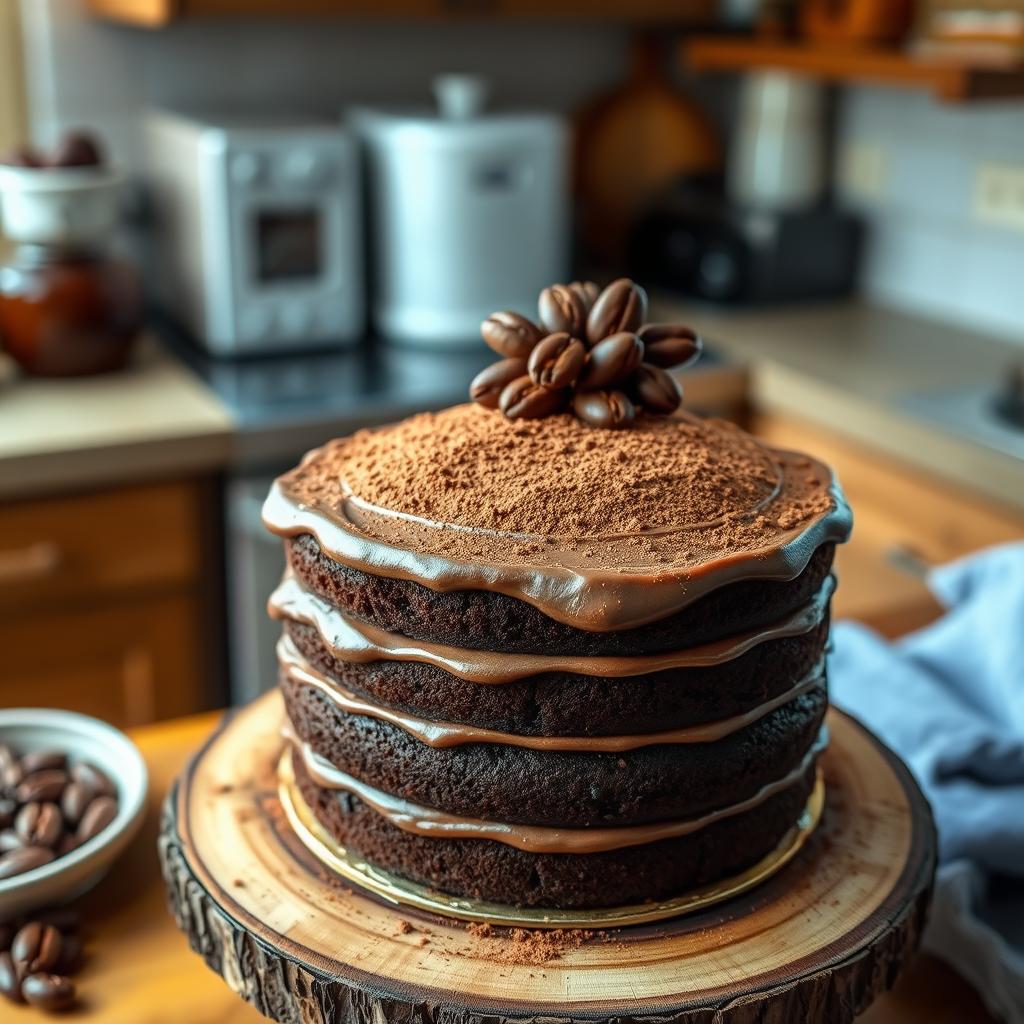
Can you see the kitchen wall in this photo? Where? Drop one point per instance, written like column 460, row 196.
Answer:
column 85, row 71
column 912, row 166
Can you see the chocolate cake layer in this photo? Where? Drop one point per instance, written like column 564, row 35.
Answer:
column 569, row 704
column 490, row 621
column 488, row 870
column 558, row 788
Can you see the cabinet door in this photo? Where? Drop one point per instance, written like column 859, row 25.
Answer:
column 904, row 521
column 126, row 663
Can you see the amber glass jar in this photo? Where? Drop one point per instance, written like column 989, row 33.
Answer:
column 69, row 311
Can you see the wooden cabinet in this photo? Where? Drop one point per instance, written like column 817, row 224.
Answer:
column 108, row 603
column 904, row 521
column 157, row 13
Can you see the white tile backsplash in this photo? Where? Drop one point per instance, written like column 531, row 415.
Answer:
column 926, row 252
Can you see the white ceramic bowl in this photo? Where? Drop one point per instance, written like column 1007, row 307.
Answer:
column 58, row 204
column 83, row 739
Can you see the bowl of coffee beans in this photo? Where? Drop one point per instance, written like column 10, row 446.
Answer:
column 72, row 796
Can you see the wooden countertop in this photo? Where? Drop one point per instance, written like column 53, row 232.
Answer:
column 151, row 419
column 139, row 969
column 849, row 367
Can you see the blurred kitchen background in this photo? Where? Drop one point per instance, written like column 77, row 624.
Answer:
column 287, row 217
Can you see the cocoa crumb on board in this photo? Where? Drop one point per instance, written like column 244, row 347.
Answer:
column 526, row 946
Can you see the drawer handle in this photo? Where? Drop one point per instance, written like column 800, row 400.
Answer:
column 35, row 562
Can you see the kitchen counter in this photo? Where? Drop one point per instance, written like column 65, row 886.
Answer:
column 155, row 418
column 140, row 970
column 861, row 371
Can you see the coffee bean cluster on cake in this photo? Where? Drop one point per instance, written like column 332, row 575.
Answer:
column 546, row 664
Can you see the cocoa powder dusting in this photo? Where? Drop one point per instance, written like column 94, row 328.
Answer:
column 525, row 946
column 667, row 492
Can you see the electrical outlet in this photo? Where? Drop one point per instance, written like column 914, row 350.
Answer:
column 999, row 195
column 863, row 169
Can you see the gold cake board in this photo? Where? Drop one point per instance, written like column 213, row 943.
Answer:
column 815, row 941
column 403, row 892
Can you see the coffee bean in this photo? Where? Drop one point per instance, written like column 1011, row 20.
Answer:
column 524, row 400
column 37, row 760
column 49, row 992
column 40, row 824
column 71, row 954
column 47, row 784
column 607, row 409
column 10, row 839
column 654, row 389
column 8, row 809
column 98, row 815
column 36, row 948
column 611, row 360
column 11, row 775
column 77, row 149
column 89, row 775
column 25, row 858
column 622, row 306
column 68, row 842
column 485, row 390
column 669, row 345
column 10, row 983
column 510, row 334
column 562, row 309
column 587, row 291
column 556, row 361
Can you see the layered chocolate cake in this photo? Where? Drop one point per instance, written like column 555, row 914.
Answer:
column 547, row 664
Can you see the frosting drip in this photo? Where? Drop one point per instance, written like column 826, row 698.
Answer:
column 427, row 821
column 602, row 533
column 350, row 640
column 452, row 734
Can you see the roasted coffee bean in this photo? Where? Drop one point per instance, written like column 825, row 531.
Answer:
column 608, row 409
column 24, row 858
column 74, row 800
column 10, row 776
column 89, row 775
column 524, row 400
column 562, row 308
column 47, row 784
column 622, row 306
column 669, row 345
column 655, row 389
column 77, row 149
column 49, row 992
column 98, row 815
column 556, row 362
column 485, row 390
column 588, row 293
column 36, row 948
column 71, row 955
column 40, row 824
column 510, row 334
column 37, row 760
column 8, row 809
column 10, row 983
column 10, row 839
column 68, row 842
column 611, row 360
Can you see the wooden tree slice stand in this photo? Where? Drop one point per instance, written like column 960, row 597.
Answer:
column 816, row 942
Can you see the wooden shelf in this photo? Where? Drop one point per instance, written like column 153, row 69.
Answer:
column 948, row 79
column 159, row 13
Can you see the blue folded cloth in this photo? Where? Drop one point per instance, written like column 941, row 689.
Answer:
column 949, row 699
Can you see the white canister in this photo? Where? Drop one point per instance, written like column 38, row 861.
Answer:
column 58, row 205
column 469, row 213
column 777, row 160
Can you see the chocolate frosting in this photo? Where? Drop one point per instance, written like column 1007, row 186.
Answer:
column 354, row 641
column 427, row 821
column 602, row 533
column 453, row 734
